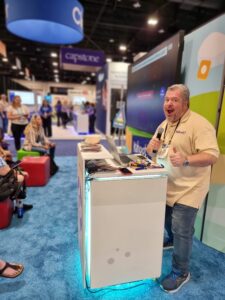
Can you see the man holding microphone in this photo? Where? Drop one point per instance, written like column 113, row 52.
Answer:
column 185, row 143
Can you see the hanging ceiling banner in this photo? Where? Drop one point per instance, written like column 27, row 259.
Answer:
column 78, row 59
column 51, row 21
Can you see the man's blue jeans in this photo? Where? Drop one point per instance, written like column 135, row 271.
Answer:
column 179, row 224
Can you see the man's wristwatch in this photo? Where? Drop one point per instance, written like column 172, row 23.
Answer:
column 186, row 163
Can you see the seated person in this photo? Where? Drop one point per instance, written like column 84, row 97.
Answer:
column 7, row 156
column 10, row 270
column 35, row 139
column 4, row 170
column 3, row 144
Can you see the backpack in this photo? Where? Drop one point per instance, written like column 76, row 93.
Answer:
column 9, row 186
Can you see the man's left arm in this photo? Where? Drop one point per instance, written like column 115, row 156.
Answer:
column 201, row 159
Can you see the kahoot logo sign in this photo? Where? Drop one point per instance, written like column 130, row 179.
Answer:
column 211, row 54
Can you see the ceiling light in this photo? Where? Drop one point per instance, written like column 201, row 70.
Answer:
column 55, row 64
column 56, row 71
column 111, row 40
column 123, row 48
column 108, row 59
column 137, row 4
column 152, row 21
column 42, row 21
column 14, row 67
column 21, row 73
column 92, row 74
column 54, row 54
column 5, row 59
column 161, row 30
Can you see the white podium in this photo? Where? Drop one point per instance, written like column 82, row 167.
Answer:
column 121, row 223
column 81, row 122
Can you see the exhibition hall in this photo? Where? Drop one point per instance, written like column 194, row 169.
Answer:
column 112, row 149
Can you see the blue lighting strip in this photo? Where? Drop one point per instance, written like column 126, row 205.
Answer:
column 130, row 177
column 156, row 56
column 87, row 247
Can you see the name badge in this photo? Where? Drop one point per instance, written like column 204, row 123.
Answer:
column 163, row 152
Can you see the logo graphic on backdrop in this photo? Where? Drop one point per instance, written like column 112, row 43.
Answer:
column 78, row 59
column 139, row 144
column 210, row 55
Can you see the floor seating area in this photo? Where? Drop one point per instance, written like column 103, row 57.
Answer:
column 38, row 168
column 21, row 153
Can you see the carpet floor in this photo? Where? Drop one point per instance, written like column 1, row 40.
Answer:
column 46, row 242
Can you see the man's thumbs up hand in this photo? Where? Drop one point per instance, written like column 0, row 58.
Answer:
column 177, row 159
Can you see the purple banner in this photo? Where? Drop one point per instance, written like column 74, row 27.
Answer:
column 81, row 59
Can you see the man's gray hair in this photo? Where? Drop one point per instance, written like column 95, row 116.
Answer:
column 183, row 89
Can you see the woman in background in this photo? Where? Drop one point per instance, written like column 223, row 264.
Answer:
column 58, row 109
column 91, row 111
column 35, row 140
column 18, row 114
column 46, row 116
column 64, row 113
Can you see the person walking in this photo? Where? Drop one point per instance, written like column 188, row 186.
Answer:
column 46, row 116
column 58, row 109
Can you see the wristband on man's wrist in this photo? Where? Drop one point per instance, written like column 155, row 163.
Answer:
column 186, row 162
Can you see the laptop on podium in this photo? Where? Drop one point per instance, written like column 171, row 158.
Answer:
column 120, row 158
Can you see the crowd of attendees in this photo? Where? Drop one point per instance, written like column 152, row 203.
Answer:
column 36, row 130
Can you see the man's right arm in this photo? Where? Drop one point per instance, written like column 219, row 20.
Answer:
column 154, row 144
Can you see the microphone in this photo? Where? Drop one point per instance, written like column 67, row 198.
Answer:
column 158, row 136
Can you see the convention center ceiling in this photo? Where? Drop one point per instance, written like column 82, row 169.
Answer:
column 107, row 25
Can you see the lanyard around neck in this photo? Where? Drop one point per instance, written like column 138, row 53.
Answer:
column 164, row 136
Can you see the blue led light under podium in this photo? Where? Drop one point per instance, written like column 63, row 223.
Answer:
column 47, row 21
